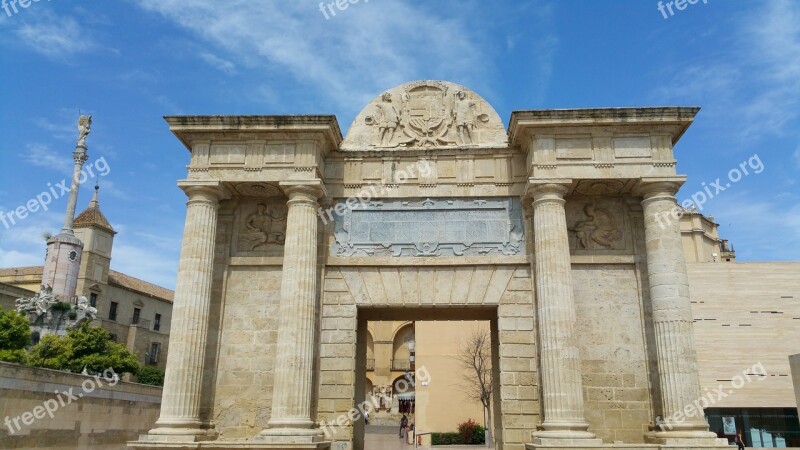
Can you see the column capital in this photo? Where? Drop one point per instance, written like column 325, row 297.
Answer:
column 547, row 190
column 311, row 190
column 659, row 187
column 210, row 191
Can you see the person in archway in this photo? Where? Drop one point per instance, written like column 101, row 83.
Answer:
column 738, row 440
column 403, row 425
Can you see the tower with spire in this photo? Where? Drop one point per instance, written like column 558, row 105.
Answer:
column 97, row 235
column 64, row 250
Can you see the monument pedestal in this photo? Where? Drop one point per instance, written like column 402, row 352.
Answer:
column 147, row 442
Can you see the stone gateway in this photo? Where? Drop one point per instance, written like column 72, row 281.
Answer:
column 430, row 209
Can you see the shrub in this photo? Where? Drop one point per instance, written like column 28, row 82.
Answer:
column 471, row 433
column 446, row 439
column 150, row 375
column 14, row 356
column 15, row 331
column 61, row 307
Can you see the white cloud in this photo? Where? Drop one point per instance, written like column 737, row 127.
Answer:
column 765, row 57
column 43, row 156
column 797, row 156
column 151, row 260
column 223, row 65
column 349, row 58
column 56, row 37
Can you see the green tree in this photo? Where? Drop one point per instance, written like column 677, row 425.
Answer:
column 52, row 352
column 93, row 349
column 150, row 375
column 15, row 331
column 15, row 335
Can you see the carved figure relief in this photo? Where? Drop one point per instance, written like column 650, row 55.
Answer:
column 599, row 231
column 263, row 228
column 425, row 116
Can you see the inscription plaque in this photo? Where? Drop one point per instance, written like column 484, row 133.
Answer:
column 438, row 227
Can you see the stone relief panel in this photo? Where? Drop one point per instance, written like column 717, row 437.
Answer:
column 430, row 227
column 261, row 228
column 426, row 114
column 598, row 224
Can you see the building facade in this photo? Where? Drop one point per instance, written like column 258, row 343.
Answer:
column 430, row 210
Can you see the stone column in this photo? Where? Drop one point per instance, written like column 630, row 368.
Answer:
column 562, row 387
column 80, row 156
column 292, row 392
column 180, row 403
column 672, row 315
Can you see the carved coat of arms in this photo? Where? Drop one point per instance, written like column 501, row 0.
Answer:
column 426, row 116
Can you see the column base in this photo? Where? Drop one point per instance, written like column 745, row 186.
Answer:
column 687, row 440
column 564, row 443
column 249, row 444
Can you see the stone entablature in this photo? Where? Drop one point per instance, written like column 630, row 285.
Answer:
column 612, row 143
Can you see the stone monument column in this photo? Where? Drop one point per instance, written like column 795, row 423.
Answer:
column 291, row 421
column 560, row 363
column 672, row 315
column 180, row 404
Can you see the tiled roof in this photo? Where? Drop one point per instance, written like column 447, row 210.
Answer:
column 114, row 278
column 92, row 216
column 129, row 282
column 30, row 270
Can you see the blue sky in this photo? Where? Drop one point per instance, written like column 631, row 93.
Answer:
column 130, row 62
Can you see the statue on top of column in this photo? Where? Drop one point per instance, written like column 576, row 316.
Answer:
column 84, row 128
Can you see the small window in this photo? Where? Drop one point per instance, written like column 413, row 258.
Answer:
column 136, row 313
column 154, row 347
column 112, row 312
column 93, row 300
column 157, row 323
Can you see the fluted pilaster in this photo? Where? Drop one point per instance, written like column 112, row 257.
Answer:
column 562, row 392
column 180, row 404
column 294, row 366
column 672, row 314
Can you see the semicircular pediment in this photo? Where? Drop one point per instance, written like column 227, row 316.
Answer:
column 423, row 115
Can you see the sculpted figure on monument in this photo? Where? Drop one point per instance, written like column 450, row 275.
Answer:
column 258, row 228
column 388, row 120
column 84, row 128
column 465, row 113
column 601, row 229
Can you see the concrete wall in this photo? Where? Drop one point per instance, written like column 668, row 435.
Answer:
column 443, row 404
column 100, row 416
column 745, row 314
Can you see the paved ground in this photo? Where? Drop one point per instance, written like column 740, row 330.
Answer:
column 384, row 438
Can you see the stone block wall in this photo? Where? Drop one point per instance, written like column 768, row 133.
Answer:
column 616, row 386
column 100, row 416
column 246, row 354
